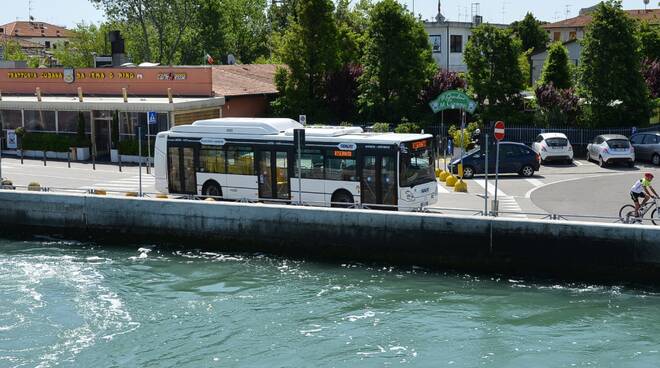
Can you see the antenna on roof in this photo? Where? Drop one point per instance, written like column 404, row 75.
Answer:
column 30, row 17
column 568, row 11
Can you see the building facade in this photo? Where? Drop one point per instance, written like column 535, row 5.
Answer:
column 448, row 40
column 45, row 34
column 53, row 101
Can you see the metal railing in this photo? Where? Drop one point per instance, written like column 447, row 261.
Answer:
column 344, row 205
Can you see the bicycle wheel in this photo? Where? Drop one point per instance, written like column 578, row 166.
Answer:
column 626, row 213
column 655, row 216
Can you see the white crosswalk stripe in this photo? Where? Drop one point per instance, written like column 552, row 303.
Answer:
column 491, row 187
column 125, row 185
column 507, row 204
column 442, row 189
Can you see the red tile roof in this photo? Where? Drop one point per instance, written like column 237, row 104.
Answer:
column 35, row 29
column 248, row 79
column 25, row 44
column 650, row 15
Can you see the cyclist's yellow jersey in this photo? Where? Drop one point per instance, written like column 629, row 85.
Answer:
column 640, row 185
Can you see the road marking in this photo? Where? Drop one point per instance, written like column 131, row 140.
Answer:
column 509, row 205
column 529, row 193
column 578, row 163
column 491, row 187
column 124, row 185
column 442, row 189
column 535, row 182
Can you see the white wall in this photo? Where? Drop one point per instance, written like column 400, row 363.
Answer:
column 446, row 59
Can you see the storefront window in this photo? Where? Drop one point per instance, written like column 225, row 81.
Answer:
column 68, row 121
column 129, row 122
column 11, row 119
column 40, row 121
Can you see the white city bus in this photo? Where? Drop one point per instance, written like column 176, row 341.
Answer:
column 255, row 159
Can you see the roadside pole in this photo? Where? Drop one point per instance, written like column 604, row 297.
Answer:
column 140, row 159
column 148, row 149
column 299, row 175
column 496, row 207
column 0, row 153
column 299, row 140
column 460, row 168
column 486, row 173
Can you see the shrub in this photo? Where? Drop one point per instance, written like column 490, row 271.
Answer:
column 381, row 127
column 455, row 134
column 46, row 142
column 407, row 128
column 130, row 147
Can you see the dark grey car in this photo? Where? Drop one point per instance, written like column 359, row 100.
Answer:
column 647, row 147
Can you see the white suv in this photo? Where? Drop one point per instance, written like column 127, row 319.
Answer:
column 611, row 148
column 553, row 147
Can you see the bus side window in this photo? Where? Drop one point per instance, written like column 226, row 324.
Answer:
column 212, row 161
column 311, row 164
column 240, row 161
column 344, row 169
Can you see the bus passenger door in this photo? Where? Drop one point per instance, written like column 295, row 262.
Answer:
column 379, row 185
column 273, row 176
column 181, row 169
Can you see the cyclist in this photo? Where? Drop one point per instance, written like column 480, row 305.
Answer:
column 641, row 190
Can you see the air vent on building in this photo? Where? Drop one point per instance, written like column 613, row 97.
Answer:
column 477, row 20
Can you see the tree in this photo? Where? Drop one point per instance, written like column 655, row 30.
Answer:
column 397, row 63
column 494, row 72
column 530, row 33
column 649, row 38
column 310, row 49
column 132, row 13
column 12, row 51
column 651, row 72
column 557, row 106
column 85, row 42
column 442, row 81
column 610, row 69
column 556, row 69
column 342, row 92
column 246, row 27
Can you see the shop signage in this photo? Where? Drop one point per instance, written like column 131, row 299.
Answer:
column 453, row 100
column 70, row 76
column 12, row 142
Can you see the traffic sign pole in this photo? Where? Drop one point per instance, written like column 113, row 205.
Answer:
column 499, row 135
column 486, row 172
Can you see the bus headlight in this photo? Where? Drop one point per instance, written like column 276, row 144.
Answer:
column 409, row 196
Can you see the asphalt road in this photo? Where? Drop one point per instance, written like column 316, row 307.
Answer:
column 573, row 191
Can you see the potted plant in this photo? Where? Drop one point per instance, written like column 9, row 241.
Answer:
column 80, row 145
column 114, row 137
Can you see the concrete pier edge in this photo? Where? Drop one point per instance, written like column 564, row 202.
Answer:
column 563, row 249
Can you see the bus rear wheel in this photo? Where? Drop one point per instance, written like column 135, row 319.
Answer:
column 212, row 189
column 342, row 199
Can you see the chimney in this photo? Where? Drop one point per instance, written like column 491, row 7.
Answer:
column 117, row 47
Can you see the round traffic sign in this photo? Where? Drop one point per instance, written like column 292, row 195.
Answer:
column 499, row 130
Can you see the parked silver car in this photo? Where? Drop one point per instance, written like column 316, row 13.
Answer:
column 647, row 147
column 607, row 149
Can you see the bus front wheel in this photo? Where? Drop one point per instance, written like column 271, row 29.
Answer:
column 212, row 189
column 342, row 199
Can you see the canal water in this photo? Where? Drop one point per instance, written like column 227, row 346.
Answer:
column 68, row 304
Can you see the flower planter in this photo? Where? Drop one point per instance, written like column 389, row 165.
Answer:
column 114, row 155
column 133, row 159
column 82, row 154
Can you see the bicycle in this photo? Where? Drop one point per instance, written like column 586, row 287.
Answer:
column 627, row 213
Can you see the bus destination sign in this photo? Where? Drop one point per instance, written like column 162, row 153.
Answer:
column 213, row 141
column 343, row 154
column 419, row 145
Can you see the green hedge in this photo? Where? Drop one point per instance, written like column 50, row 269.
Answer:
column 129, row 147
column 47, row 142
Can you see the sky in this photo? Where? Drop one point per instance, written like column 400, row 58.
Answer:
column 71, row 12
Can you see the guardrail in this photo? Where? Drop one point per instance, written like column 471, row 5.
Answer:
column 289, row 202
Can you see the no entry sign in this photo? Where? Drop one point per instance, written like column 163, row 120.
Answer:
column 499, row 130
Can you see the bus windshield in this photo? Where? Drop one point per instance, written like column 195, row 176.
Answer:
column 416, row 166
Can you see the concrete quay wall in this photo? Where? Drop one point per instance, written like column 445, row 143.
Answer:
column 585, row 251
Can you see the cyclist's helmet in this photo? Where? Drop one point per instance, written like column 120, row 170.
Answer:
column 648, row 176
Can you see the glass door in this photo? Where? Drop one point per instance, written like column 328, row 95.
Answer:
column 182, row 176
column 379, row 185
column 274, row 175
column 101, row 134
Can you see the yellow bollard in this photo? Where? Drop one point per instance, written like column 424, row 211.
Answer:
column 34, row 187
column 162, row 196
column 451, row 181
column 209, row 199
column 460, row 186
column 443, row 176
column 438, row 172
column 131, row 194
column 99, row 192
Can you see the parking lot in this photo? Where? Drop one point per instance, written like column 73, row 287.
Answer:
column 580, row 189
